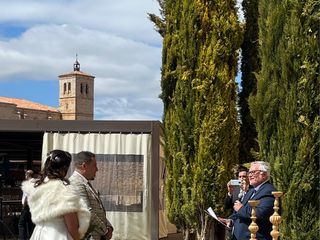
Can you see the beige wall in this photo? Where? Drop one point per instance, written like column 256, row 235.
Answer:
column 33, row 114
column 10, row 111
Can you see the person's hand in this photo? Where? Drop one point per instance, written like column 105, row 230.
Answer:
column 227, row 222
column 230, row 188
column 237, row 205
column 108, row 235
column 224, row 220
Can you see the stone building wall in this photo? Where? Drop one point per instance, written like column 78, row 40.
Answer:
column 33, row 114
column 84, row 97
column 10, row 111
column 76, row 96
column 66, row 102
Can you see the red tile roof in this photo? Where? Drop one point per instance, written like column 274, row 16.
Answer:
column 22, row 103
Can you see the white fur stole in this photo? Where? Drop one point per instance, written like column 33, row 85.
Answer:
column 53, row 199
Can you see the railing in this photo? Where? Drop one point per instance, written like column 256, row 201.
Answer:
column 8, row 209
column 275, row 218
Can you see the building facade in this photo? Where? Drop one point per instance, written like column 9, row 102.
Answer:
column 76, row 101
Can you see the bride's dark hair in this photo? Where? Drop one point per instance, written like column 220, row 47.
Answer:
column 55, row 167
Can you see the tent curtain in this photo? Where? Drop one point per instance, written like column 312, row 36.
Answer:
column 123, row 179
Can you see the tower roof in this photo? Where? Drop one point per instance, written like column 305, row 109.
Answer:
column 76, row 70
column 75, row 73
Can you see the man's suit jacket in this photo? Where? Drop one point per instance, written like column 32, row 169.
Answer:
column 98, row 222
column 229, row 200
column 264, row 210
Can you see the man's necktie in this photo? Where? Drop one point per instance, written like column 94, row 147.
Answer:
column 253, row 193
column 96, row 195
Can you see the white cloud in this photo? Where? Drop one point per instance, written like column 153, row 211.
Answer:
column 126, row 18
column 124, row 109
column 114, row 39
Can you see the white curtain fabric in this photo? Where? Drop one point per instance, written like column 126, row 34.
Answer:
column 123, row 179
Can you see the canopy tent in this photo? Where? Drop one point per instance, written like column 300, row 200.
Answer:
column 131, row 174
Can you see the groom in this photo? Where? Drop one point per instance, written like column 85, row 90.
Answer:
column 85, row 170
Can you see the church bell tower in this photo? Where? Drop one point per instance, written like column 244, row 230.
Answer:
column 76, row 94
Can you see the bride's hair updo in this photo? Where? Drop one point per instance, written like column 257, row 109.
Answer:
column 55, row 167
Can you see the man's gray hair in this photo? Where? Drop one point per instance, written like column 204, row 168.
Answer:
column 83, row 157
column 263, row 166
column 29, row 174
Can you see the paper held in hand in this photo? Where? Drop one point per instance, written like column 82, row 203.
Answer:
column 213, row 214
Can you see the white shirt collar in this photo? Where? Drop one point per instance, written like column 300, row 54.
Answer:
column 258, row 187
column 81, row 176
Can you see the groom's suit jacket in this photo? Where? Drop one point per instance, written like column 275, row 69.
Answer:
column 98, row 222
column 264, row 210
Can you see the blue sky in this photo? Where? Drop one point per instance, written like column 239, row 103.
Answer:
column 114, row 40
column 10, row 31
column 44, row 92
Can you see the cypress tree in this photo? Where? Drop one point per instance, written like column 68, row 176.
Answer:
column 200, row 45
column 286, row 109
column 177, row 97
column 249, row 67
column 216, row 127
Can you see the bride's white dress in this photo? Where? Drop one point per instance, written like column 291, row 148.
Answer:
column 54, row 229
column 48, row 203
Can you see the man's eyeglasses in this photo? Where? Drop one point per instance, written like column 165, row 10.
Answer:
column 254, row 172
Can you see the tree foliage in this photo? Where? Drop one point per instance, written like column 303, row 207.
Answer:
column 250, row 65
column 286, row 109
column 199, row 65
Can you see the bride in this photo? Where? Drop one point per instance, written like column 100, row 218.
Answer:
column 58, row 213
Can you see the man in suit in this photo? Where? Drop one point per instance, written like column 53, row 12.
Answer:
column 259, row 174
column 85, row 170
column 237, row 192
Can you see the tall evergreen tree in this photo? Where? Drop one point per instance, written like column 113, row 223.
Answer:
column 178, row 117
column 286, row 109
column 216, row 126
column 249, row 67
column 201, row 41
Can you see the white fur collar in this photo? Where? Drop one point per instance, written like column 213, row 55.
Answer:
column 53, row 199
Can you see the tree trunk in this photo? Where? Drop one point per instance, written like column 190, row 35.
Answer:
column 211, row 230
column 187, row 235
column 207, row 231
column 203, row 233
